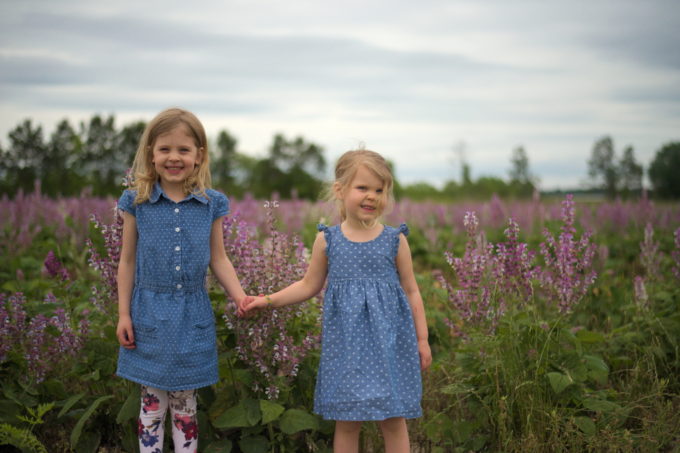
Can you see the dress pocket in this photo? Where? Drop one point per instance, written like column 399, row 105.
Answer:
column 146, row 341
column 201, row 336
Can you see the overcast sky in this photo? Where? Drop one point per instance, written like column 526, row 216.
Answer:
column 413, row 80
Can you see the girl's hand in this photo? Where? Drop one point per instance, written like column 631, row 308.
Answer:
column 256, row 303
column 125, row 333
column 241, row 305
column 425, row 354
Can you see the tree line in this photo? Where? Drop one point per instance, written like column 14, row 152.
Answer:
column 95, row 155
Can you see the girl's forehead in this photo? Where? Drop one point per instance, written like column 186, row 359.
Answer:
column 363, row 173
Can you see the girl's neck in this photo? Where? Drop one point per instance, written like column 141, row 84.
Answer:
column 173, row 191
column 355, row 231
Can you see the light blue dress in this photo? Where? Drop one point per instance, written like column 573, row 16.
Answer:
column 370, row 367
column 172, row 318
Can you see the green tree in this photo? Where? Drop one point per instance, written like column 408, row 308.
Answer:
column 102, row 163
column 602, row 167
column 630, row 173
column 127, row 142
column 521, row 180
column 293, row 168
column 22, row 160
column 224, row 165
column 664, row 171
column 57, row 169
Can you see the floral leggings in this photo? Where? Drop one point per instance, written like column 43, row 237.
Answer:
column 151, row 424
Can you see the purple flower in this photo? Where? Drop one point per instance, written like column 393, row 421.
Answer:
column 54, row 268
column 568, row 272
column 649, row 253
column 676, row 254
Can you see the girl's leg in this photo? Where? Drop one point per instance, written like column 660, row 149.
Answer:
column 184, row 424
column 152, row 419
column 395, row 433
column 346, row 438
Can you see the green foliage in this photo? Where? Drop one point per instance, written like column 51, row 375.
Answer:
column 664, row 171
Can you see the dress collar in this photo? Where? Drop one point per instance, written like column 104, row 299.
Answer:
column 158, row 191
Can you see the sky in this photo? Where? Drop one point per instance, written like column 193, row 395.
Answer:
column 428, row 84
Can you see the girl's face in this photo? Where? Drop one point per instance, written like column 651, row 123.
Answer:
column 174, row 157
column 363, row 198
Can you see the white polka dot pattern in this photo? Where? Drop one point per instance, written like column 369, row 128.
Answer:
column 370, row 368
column 171, row 314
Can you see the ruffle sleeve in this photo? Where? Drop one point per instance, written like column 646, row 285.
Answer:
column 326, row 235
column 403, row 229
column 126, row 202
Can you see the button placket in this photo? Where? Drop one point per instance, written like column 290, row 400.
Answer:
column 178, row 247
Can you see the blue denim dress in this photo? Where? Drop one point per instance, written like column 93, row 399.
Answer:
column 370, row 367
column 172, row 318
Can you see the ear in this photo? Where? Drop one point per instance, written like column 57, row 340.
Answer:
column 199, row 157
column 337, row 191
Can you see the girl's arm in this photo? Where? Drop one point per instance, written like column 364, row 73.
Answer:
column 408, row 282
column 309, row 286
column 221, row 265
column 126, row 280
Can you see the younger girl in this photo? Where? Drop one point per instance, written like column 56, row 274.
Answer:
column 171, row 234
column 374, row 340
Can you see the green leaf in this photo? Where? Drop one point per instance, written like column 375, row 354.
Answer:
column 255, row 444
column 130, row 408
column 75, row 434
column 270, row 411
column 244, row 414
column 558, row 381
column 220, row 446
column 587, row 336
column 253, row 413
column 598, row 405
column 294, row 420
column 586, row 425
column 69, row 404
column 88, row 443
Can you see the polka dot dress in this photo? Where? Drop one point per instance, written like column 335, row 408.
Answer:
column 172, row 318
column 370, row 368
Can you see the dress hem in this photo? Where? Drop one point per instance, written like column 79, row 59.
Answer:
column 174, row 388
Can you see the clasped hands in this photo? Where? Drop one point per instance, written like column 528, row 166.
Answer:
column 250, row 303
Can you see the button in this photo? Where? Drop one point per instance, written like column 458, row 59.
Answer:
column 177, row 268
column 179, row 286
column 176, row 209
column 177, row 229
column 177, row 248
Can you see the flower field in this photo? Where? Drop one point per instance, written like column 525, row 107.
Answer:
column 554, row 325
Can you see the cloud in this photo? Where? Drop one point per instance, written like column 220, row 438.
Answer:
column 405, row 78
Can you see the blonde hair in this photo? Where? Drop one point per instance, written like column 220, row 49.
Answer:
column 144, row 174
column 345, row 170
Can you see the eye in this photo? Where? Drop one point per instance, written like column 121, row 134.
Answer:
column 379, row 191
column 362, row 188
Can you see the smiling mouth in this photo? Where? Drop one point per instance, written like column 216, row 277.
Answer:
column 370, row 208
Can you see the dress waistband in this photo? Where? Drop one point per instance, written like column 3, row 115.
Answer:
column 377, row 279
column 172, row 287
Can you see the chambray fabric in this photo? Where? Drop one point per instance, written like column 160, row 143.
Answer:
column 172, row 319
column 370, row 367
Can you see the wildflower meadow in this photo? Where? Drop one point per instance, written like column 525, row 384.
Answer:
column 554, row 326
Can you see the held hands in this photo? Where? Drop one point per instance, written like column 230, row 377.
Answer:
column 125, row 333
column 256, row 303
column 241, row 305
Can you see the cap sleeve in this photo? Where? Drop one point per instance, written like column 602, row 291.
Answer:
column 126, row 202
column 221, row 205
column 403, row 229
column 326, row 235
